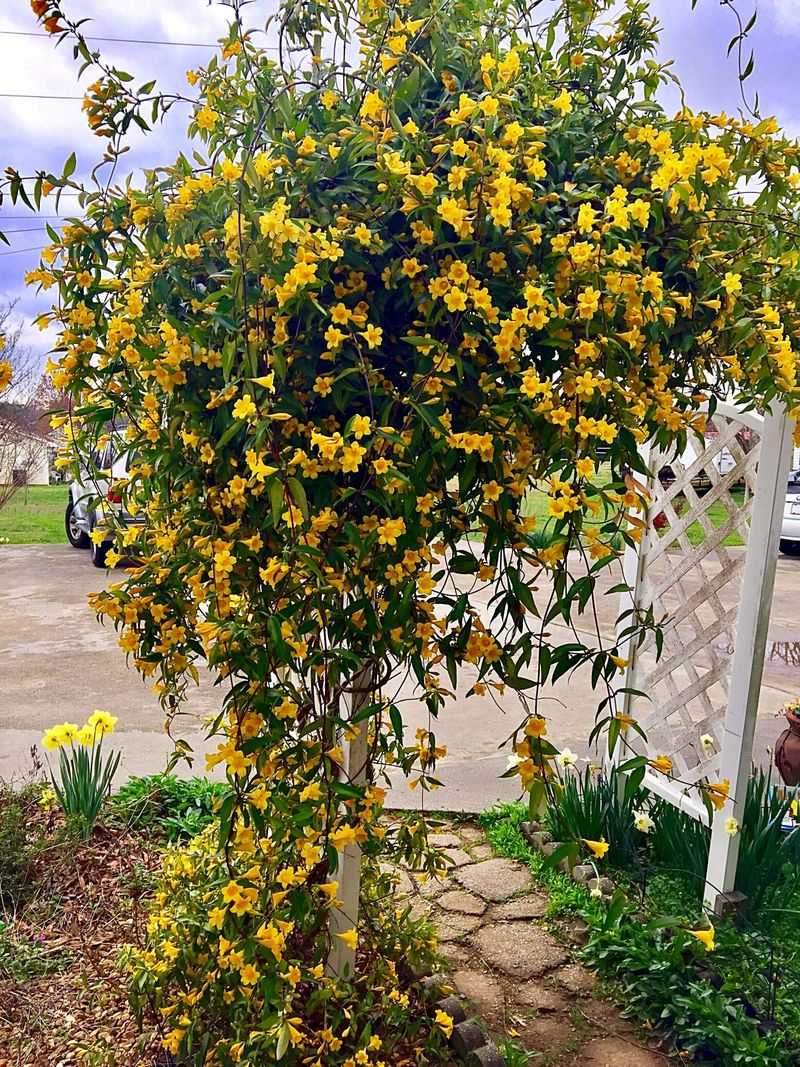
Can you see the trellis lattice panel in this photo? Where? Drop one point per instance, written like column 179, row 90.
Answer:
column 692, row 580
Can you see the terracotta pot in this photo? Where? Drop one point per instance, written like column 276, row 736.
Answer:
column 787, row 750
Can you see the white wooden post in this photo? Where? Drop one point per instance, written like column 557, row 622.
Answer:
column 344, row 916
column 751, row 636
column 633, row 562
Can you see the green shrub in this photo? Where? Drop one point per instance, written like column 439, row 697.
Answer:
column 768, row 857
column 176, row 807
column 679, row 842
column 665, row 979
column 190, row 939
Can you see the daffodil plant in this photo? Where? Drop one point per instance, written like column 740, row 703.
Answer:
column 85, row 772
column 418, row 261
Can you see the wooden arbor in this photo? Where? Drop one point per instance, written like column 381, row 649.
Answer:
column 713, row 603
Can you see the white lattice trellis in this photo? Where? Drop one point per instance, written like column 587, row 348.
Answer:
column 713, row 604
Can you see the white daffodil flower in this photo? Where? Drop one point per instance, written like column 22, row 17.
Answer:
column 642, row 822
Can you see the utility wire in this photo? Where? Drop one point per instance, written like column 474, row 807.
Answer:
column 39, row 96
column 129, row 40
column 115, row 40
column 44, row 96
column 19, row 251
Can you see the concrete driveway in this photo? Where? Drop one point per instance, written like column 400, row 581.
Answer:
column 58, row 663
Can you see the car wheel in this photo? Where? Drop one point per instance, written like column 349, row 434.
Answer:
column 99, row 552
column 790, row 548
column 77, row 537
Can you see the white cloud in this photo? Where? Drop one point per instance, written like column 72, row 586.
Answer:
column 787, row 12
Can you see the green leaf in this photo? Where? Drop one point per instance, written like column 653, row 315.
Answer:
column 69, row 166
column 396, row 720
column 299, row 496
column 613, row 735
column 619, row 74
column 429, row 416
column 615, row 910
column 537, row 799
column 224, row 437
column 228, row 352
column 632, row 764
column 276, row 501
column 283, row 1042
column 522, row 590
column 567, row 850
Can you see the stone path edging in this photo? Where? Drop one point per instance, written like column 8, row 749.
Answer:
column 468, row 1041
column 583, row 873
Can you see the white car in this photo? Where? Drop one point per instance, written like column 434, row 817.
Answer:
column 790, row 529
column 92, row 499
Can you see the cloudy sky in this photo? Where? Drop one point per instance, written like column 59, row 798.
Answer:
column 38, row 132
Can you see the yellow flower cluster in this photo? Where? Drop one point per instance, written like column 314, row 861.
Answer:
column 97, row 726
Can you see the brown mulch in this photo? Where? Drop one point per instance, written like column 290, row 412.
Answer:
column 85, row 904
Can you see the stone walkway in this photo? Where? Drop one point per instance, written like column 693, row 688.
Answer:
column 514, row 964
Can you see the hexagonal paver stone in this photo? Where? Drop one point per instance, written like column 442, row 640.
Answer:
column 611, row 1051
column 431, row 888
column 533, row 906
column 494, row 880
column 419, row 908
column 444, row 840
column 576, row 978
column 455, row 954
column 461, row 900
column 457, row 857
column 471, row 834
column 482, row 990
column 541, row 997
column 548, row 1033
column 481, row 852
column 519, row 949
column 450, row 926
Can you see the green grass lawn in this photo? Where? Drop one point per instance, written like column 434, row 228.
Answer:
column 35, row 516
column 535, row 503
column 717, row 515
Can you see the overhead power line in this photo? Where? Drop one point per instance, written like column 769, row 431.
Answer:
column 129, row 40
column 19, row 251
column 40, row 96
column 28, row 229
column 116, row 40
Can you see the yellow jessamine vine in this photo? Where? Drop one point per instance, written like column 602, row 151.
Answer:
column 340, row 344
